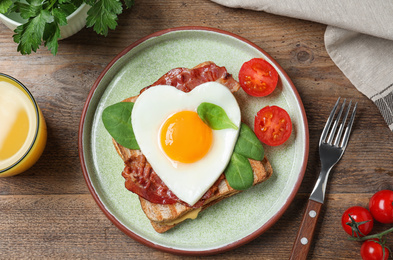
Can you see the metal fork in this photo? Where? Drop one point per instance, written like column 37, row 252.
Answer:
column 332, row 145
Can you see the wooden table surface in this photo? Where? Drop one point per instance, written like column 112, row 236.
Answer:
column 48, row 212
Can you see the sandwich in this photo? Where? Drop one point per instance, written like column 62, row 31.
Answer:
column 171, row 192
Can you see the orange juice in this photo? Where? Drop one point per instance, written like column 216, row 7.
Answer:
column 22, row 128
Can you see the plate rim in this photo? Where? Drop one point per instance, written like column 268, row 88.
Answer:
column 146, row 242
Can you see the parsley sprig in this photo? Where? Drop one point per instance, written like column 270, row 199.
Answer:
column 44, row 18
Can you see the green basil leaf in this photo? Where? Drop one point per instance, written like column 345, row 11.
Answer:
column 215, row 116
column 117, row 121
column 239, row 172
column 248, row 144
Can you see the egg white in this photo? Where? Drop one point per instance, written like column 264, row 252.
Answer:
column 188, row 181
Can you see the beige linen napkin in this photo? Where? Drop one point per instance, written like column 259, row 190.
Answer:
column 359, row 39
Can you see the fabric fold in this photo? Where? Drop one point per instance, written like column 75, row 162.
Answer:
column 367, row 62
column 358, row 38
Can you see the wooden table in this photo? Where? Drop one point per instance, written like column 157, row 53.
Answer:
column 48, row 212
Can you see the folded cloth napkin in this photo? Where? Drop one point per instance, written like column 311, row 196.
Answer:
column 358, row 38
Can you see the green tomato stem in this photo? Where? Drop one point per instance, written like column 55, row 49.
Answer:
column 379, row 235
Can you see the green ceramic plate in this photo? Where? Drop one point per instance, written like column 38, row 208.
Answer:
column 235, row 220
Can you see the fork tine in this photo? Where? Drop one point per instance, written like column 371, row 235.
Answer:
column 334, row 128
column 328, row 122
column 342, row 125
column 344, row 142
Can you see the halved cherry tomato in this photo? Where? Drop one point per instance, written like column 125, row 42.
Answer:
column 257, row 77
column 272, row 125
column 381, row 206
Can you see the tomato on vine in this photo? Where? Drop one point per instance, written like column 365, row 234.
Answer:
column 357, row 221
column 373, row 249
column 381, row 206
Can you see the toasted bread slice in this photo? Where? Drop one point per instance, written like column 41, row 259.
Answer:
column 162, row 216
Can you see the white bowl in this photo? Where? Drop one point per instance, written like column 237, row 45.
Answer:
column 75, row 22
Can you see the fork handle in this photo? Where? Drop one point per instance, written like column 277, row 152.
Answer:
column 306, row 231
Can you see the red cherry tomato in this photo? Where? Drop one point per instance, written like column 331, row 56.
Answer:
column 362, row 222
column 272, row 125
column 258, row 78
column 381, row 206
column 372, row 250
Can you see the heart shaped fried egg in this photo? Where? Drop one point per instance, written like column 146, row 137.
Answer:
column 185, row 152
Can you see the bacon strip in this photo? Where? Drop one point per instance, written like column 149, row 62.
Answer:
column 187, row 79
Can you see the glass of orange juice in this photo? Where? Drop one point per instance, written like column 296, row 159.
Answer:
column 22, row 128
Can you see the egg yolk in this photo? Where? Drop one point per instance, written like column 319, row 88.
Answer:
column 185, row 137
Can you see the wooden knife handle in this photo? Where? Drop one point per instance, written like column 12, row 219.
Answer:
column 306, row 231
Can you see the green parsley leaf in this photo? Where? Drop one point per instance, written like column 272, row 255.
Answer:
column 29, row 34
column 103, row 15
column 5, row 5
column 28, row 10
column 66, row 8
column 129, row 3
column 60, row 16
column 51, row 36
column 44, row 18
